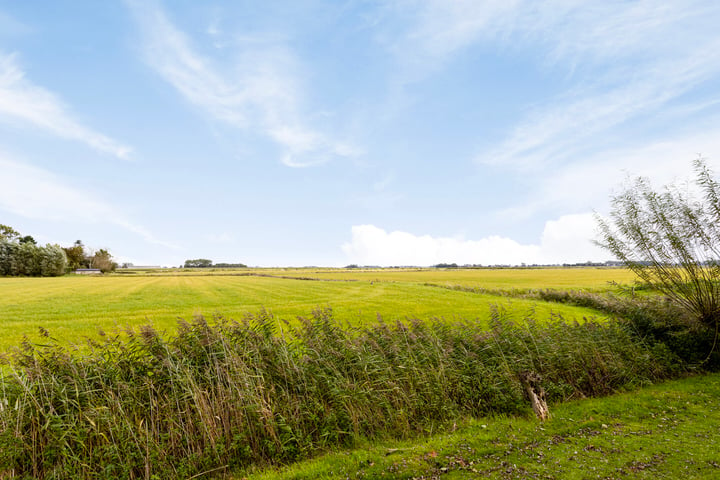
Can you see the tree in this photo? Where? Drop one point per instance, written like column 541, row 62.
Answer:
column 8, row 252
column 76, row 256
column 27, row 260
column 8, row 233
column 27, row 239
column 198, row 263
column 671, row 240
column 103, row 261
column 31, row 260
column 53, row 261
column 21, row 255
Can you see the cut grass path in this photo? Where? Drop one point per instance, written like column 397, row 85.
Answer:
column 666, row 431
column 72, row 307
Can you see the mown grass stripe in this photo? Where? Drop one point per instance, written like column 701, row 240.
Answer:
column 73, row 307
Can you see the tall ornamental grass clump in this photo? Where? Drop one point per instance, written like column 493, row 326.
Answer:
column 225, row 394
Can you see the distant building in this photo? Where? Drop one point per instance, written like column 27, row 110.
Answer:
column 88, row 271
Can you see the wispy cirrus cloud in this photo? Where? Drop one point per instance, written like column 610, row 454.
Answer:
column 583, row 119
column 21, row 99
column 623, row 62
column 259, row 93
column 559, row 31
column 440, row 28
column 35, row 193
column 589, row 184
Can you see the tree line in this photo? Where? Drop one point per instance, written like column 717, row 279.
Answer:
column 22, row 256
column 207, row 263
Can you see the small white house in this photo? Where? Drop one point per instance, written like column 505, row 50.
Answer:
column 88, row 271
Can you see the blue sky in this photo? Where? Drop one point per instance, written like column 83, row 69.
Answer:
column 308, row 132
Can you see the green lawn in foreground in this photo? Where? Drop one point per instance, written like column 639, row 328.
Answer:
column 667, row 431
column 75, row 306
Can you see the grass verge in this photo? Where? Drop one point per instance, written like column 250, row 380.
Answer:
column 668, row 431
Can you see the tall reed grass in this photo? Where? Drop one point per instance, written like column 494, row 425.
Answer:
column 223, row 394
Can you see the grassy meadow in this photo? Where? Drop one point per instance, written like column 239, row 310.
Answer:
column 73, row 307
column 585, row 278
column 593, row 279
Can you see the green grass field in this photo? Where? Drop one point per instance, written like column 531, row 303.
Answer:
column 500, row 279
column 590, row 278
column 72, row 307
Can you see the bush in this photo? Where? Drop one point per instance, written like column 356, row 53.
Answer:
column 657, row 320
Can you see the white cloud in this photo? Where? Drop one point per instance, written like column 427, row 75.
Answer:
column 588, row 184
column 565, row 240
column 35, row 193
column 260, row 94
column 442, row 27
column 627, row 63
column 22, row 100
column 569, row 240
column 639, row 99
column 580, row 120
column 565, row 30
